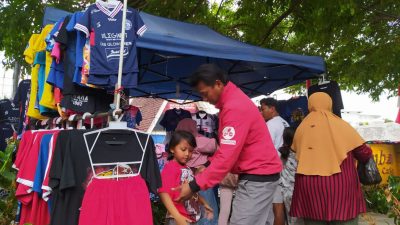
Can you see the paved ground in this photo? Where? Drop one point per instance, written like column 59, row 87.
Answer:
column 375, row 219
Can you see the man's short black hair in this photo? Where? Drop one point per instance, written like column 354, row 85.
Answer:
column 269, row 102
column 209, row 74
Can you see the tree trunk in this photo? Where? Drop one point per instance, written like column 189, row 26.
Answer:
column 16, row 75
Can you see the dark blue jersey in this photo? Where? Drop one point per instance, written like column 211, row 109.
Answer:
column 102, row 23
column 9, row 112
column 21, row 100
column 5, row 132
column 80, row 44
column 80, row 37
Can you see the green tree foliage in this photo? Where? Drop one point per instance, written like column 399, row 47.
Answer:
column 21, row 18
column 384, row 199
column 8, row 202
column 359, row 39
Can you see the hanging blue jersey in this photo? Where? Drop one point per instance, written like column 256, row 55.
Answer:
column 102, row 23
column 9, row 112
column 286, row 108
column 80, row 43
column 42, row 163
column 56, row 74
column 6, row 131
column 80, row 39
column 21, row 100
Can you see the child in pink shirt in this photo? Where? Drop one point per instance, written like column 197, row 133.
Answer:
column 173, row 175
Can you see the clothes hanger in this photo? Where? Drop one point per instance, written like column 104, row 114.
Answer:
column 178, row 110
column 202, row 114
column 113, row 2
column 110, row 2
column 53, row 124
column 88, row 115
column 323, row 80
column 59, row 122
column 37, row 124
column 70, row 121
column 114, row 126
column 44, row 122
column 80, row 124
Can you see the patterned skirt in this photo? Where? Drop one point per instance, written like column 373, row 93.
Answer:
column 332, row 198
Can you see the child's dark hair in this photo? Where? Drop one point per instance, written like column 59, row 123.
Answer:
column 288, row 135
column 177, row 137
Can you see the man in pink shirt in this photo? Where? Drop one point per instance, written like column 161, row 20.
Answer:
column 245, row 148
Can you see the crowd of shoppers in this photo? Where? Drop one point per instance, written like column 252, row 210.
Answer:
column 277, row 174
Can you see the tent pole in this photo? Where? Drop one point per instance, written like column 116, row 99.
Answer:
column 398, row 104
column 121, row 57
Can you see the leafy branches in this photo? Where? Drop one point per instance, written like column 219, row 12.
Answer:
column 277, row 21
column 359, row 39
column 384, row 199
column 7, row 184
column 393, row 196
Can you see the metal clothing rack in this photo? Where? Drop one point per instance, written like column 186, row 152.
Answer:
column 121, row 57
column 60, row 121
column 76, row 117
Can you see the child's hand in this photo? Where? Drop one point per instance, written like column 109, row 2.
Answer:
column 209, row 212
column 181, row 220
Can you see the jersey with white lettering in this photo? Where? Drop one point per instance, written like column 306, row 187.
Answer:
column 9, row 112
column 102, row 23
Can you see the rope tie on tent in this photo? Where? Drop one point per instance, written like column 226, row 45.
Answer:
column 119, row 90
column 121, row 93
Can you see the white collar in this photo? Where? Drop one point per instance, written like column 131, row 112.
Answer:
column 103, row 6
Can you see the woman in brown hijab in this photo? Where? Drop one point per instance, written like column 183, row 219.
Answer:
column 327, row 189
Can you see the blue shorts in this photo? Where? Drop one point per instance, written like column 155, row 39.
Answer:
column 129, row 80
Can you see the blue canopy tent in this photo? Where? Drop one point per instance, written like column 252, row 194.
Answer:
column 52, row 15
column 170, row 51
